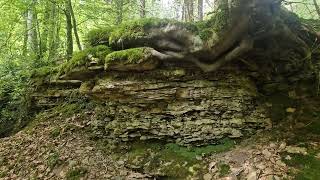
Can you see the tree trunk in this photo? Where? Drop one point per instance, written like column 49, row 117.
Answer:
column 45, row 30
column 316, row 5
column 74, row 22
column 200, row 10
column 119, row 11
column 25, row 38
column 33, row 45
column 54, row 29
column 69, row 43
column 188, row 10
column 142, row 8
column 247, row 25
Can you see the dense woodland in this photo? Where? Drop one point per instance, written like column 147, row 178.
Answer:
column 43, row 42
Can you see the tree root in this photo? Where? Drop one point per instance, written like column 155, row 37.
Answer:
column 244, row 46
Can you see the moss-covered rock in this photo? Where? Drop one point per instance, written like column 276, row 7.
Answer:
column 137, row 59
column 44, row 74
column 99, row 36
column 137, row 33
column 85, row 57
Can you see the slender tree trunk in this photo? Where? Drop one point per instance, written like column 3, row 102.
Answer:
column 69, row 50
column 142, row 8
column 191, row 10
column 317, row 7
column 183, row 11
column 53, row 32
column 119, row 10
column 200, row 10
column 25, row 38
column 45, row 30
column 33, row 45
column 75, row 28
column 188, row 10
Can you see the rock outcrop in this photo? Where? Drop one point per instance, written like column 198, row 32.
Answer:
column 170, row 101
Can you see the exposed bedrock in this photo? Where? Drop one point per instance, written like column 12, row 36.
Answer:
column 187, row 107
column 170, row 101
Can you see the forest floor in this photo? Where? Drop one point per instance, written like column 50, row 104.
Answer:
column 59, row 145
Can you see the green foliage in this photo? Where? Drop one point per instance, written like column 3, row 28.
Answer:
column 218, row 21
column 14, row 97
column 44, row 71
column 81, row 58
column 76, row 173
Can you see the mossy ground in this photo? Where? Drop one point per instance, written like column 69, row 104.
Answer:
column 308, row 166
column 76, row 173
column 302, row 129
column 172, row 160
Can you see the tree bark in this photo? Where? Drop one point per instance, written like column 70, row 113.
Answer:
column 200, row 10
column 119, row 11
column 75, row 27
column 69, row 43
column 33, row 45
column 316, row 5
column 142, row 8
column 54, row 29
column 45, row 30
column 188, row 10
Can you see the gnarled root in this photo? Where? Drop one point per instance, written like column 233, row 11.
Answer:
column 244, row 46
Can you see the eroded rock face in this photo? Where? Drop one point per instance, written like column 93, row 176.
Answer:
column 182, row 105
column 172, row 102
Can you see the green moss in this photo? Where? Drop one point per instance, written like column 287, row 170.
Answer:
column 313, row 126
column 130, row 56
column 172, row 160
column 224, row 169
column 44, row 72
column 76, row 173
column 191, row 153
column 3, row 174
column 134, row 59
column 53, row 160
column 39, row 75
column 308, row 166
column 138, row 28
column 81, row 58
column 99, row 36
column 55, row 132
column 3, row 161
